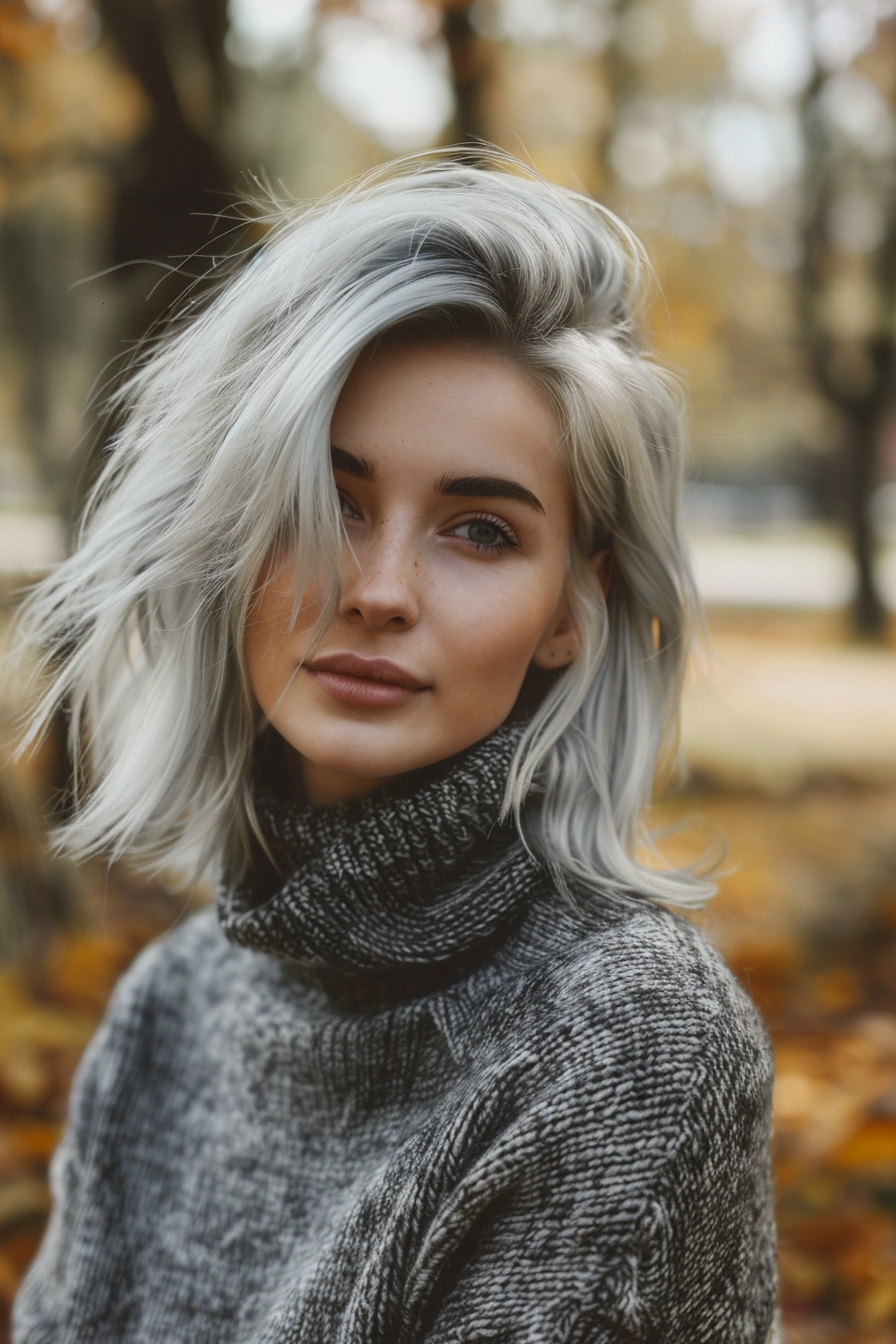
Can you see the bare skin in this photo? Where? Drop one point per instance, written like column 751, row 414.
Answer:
column 458, row 524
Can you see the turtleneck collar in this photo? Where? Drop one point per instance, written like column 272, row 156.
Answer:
column 408, row 886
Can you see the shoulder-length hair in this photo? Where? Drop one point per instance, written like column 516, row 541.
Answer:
column 223, row 453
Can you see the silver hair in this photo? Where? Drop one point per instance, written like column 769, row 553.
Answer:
column 223, row 453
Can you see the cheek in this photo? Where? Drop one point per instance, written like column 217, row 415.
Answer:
column 489, row 643
column 270, row 636
column 260, row 646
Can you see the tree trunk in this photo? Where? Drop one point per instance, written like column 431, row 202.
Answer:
column 469, row 57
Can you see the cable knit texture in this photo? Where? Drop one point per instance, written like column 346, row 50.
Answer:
column 408, row 1095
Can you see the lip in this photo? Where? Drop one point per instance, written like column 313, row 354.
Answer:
column 369, row 683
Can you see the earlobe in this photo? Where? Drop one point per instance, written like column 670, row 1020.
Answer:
column 559, row 644
column 553, row 657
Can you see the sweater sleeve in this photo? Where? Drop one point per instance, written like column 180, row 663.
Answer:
column 56, row 1275
column 629, row 1202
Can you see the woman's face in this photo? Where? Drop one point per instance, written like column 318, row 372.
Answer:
column 457, row 521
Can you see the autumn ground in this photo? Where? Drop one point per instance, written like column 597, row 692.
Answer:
column 804, row 796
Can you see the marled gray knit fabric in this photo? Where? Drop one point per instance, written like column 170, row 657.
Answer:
column 447, row 1108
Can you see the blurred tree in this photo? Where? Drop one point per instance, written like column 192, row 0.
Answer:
column 847, row 280
column 176, row 173
column 795, row 152
column 176, row 180
column 73, row 128
column 67, row 111
column 469, row 56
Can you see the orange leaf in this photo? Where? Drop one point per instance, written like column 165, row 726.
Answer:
column 869, row 1148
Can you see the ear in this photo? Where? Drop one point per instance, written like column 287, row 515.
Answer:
column 602, row 565
column 561, row 640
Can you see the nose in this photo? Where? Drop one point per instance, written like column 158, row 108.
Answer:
column 379, row 587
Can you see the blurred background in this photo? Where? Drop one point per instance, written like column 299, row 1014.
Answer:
column 752, row 145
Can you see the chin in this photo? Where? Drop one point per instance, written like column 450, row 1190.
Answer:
column 383, row 753
column 370, row 760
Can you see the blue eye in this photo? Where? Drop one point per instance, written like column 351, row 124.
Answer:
column 347, row 508
column 485, row 534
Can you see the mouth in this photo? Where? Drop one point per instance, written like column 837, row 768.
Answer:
column 369, row 683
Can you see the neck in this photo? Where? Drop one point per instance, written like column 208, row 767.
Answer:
column 322, row 786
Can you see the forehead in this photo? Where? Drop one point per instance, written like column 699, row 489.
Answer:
column 449, row 407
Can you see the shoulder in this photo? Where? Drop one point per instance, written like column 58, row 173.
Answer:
column 174, row 977
column 648, row 961
column 639, row 1006
column 161, row 981
column 650, row 968
column 183, row 962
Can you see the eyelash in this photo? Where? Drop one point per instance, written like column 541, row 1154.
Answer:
column 510, row 539
column 345, row 499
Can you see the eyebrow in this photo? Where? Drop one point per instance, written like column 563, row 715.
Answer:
column 478, row 487
column 488, row 487
column 361, row 467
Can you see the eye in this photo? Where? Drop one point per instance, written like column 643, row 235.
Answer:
column 348, row 508
column 486, row 534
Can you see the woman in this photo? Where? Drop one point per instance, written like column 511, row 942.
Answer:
column 382, row 607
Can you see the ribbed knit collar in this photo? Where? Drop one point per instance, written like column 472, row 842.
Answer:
column 400, row 886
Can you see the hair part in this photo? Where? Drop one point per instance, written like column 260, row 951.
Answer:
column 223, row 453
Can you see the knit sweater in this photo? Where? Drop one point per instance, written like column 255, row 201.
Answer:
column 407, row 1094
